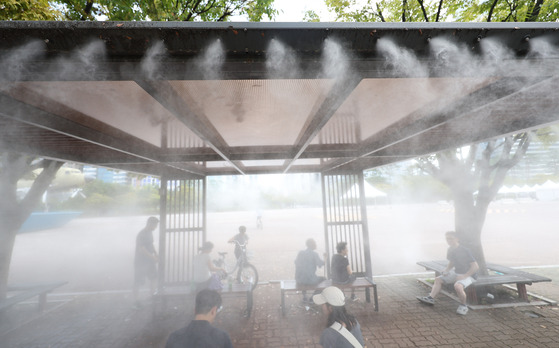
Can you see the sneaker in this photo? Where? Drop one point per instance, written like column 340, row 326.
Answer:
column 426, row 299
column 462, row 310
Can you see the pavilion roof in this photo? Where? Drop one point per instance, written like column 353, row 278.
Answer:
column 190, row 99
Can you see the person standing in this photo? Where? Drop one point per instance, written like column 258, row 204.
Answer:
column 342, row 329
column 460, row 271
column 306, row 264
column 200, row 332
column 204, row 269
column 145, row 259
column 241, row 239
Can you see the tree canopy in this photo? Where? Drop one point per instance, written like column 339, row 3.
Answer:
column 136, row 10
column 28, row 10
column 444, row 11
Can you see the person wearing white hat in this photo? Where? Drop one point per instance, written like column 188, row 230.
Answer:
column 342, row 329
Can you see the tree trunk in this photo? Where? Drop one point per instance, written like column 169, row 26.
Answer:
column 469, row 220
column 13, row 213
column 8, row 229
column 533, row 15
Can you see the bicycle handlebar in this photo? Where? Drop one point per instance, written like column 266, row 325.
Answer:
column 238, row 243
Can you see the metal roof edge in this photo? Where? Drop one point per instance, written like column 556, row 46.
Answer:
column 276, row 25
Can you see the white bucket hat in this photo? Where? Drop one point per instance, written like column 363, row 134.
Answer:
column 331, row 295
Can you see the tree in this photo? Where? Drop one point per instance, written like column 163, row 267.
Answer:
column 475, row 176
column 14, row 212
column 136, row 10
column 441, row 10
column 166, row 10
column 28, row 10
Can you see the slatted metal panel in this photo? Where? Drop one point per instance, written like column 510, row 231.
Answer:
column 345, row 219
column 183, row 228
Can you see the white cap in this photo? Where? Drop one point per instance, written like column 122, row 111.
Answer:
column 331, row 295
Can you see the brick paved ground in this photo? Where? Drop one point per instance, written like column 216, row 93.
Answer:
column 96, row 255
column 108, row 320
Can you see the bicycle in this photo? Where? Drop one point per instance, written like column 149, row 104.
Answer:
column 246, row 272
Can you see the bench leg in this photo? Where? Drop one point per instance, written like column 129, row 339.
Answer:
column 368, row 295
column 283, row 302
column 375, row 297
column 522, row 293
column 249, row 303
column 471, row 295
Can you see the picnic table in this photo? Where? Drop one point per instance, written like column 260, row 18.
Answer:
column 26, row 292
column 499, row 275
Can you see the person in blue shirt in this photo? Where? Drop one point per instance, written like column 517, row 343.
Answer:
column 306, row 264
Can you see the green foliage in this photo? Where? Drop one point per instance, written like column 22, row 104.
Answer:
column 167, row 10
column 100, row 198
column 27, row 10
column 107, row 189
column 81, row 9
column 311, row 16
column 99, row 203
column 548, row 135
column 444, row 11
column 136, row 10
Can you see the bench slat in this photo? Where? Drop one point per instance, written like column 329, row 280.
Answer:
column 28, row 292
column 508, row 270
column 437, row 266
column 501, row 279
column 365, row 283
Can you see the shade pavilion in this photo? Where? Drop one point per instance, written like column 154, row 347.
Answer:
column 185, row 101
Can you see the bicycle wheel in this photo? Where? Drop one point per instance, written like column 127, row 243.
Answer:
column 249, row 275
column 229, row 266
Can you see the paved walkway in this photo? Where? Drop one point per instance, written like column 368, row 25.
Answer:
column 108, row 320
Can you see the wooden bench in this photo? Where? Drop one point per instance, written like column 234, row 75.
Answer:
column 178, row 291
column 500, row 275
column 26, row 292
column 359, row 283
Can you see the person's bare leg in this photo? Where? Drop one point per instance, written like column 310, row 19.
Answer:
column 436, row 287
column 460, row 292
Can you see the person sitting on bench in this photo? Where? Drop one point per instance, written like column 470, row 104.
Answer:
column 306, row 264
column 341, row 270
column 465, row 268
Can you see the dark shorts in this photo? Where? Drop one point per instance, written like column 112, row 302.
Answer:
column 350, row 280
